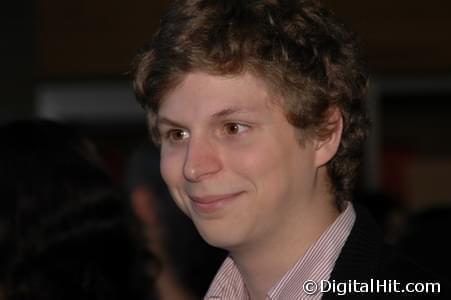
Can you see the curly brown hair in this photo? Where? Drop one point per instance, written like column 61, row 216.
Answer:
column 297, row 47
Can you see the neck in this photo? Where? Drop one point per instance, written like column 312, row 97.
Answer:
column 265, row 262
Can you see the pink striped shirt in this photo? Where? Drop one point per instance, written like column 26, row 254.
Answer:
column 316, row 264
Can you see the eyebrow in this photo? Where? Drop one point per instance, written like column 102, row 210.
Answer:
column 217, row 115
column 167, row 121
column 230, row 111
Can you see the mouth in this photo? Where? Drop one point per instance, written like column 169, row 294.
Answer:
column 212, row 203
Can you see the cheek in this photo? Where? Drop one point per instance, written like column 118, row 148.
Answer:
column 170, row 168
column 273, row 167
column 171, row 173
column 165, row 169
column 255, row 164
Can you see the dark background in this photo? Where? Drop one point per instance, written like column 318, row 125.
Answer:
column 69, row 60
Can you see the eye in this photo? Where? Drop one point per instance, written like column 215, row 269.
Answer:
column 176, row 135
column 235, row 128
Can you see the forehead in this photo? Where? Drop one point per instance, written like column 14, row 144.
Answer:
column 201, row 92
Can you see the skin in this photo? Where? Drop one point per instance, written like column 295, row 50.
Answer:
column 235, row 166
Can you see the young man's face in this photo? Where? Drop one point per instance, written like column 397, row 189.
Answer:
column 232, row 161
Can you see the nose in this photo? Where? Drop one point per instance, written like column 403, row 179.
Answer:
column 202, row 160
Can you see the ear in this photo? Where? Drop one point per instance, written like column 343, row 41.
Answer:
column 326, row 145
column 142, row 202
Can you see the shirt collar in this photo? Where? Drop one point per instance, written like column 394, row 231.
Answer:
column 316, row 264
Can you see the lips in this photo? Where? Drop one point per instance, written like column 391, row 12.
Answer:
column 212, row 203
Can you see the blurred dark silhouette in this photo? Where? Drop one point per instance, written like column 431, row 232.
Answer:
column 387, row 211
column 425, row 240
column 64, row 231
column 188, row 262
column 420, row 236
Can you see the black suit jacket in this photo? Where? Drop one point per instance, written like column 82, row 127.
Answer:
column 365, row 256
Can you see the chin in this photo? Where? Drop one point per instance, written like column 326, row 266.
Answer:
column 224, row 239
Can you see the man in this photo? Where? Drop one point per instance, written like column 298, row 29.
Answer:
column 258, row 107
